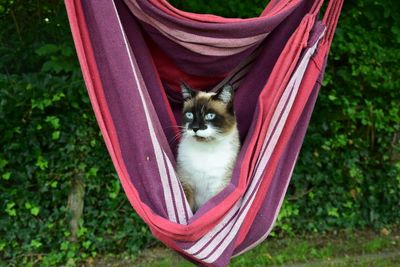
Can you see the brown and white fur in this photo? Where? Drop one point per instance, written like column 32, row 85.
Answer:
column 210, row 143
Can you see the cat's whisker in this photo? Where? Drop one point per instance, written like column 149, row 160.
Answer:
column 174, row 126
column 176, row 137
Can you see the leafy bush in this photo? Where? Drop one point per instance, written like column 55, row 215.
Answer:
column 347, row 175
column 49, row 142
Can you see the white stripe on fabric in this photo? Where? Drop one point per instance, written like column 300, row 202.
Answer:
column 157, row 148
column 293, row 85
column 231, row 231
column 310, row 52
column 176, row 191
column 211, row 234
column 204, row 45
column 281, row 104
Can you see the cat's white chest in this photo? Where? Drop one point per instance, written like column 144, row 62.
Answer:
column 207, row 166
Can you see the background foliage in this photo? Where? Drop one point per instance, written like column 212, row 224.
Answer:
column 347, row 175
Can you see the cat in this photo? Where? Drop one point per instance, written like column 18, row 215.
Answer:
column 209, row 144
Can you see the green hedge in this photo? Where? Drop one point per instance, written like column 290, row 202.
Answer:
column 347, row 175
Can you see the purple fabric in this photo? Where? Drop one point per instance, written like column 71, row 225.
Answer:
column 145, row 62
column 247, row 27
column 283, row 174
column 204, row 65
column 193, row 63
column 246, row 100
column 118, row 83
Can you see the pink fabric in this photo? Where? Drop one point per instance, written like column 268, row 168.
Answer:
column 222, row 226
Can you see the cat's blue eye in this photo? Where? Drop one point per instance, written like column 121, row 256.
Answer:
column 189, row 115
column 210, row 116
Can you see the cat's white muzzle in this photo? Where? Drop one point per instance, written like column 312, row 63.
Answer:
column 206, row 133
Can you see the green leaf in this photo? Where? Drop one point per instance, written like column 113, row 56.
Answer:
column 58, row 96
column 3, row 163
column 55, row 135
column 35, row 211
column 65, row 245
column 42, row 163
column 54, row 121
column 47, row 49
column 36, row 244
column 6, row 176
column 28, row 205
column 333, row 212
column 10, row 209
column 332, row 97
column 86, row 244
column 92, row 172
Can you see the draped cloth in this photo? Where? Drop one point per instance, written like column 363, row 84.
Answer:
column 133, row 53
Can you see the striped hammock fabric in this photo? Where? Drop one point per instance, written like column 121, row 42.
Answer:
column 133, row 53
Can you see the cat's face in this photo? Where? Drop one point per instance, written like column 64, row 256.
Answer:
column 208, row 116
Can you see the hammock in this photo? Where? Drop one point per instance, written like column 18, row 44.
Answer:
column 134, row 53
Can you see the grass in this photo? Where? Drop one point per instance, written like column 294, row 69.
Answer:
column 334, row 249
column 366, row 248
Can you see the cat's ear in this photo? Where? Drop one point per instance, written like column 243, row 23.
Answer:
column 225, row 94
column 187, row 92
